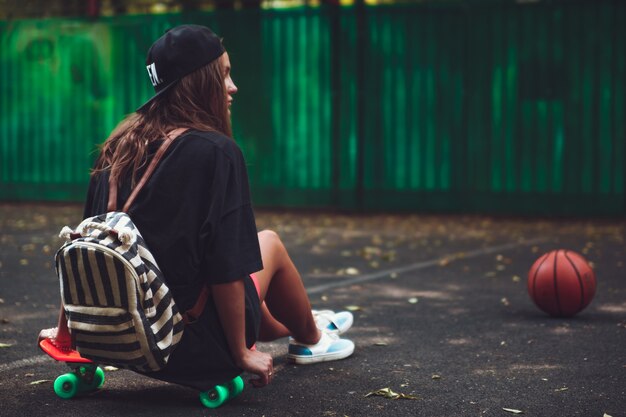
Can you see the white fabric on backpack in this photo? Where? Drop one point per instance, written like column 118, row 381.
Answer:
column 119, row 310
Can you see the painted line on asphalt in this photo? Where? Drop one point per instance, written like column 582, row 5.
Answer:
column 421, row 265
column 36, row 360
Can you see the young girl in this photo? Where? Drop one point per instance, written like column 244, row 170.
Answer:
column 196, row 218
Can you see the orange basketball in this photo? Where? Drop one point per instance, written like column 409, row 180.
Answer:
column 561, row 283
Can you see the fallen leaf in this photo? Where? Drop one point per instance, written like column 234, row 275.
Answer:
column 353, row 308
column 413, row 300
column 352, row 271
column 40, row 381
column 380, row 344
column 389, row 256
column 444, row 261
column 435, row 376
column 5, row 345
column 29, row 247
column 110, row 368
column 29, row 375
column 561, row 389
column 392, row 395
column 512, row 410
column 370, row 251
column 606, row 415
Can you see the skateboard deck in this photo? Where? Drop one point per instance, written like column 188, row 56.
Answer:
column 86, row 376
column 61, row 354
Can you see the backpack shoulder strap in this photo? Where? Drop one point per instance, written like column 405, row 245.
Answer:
column 194, row 313
column 112, row 204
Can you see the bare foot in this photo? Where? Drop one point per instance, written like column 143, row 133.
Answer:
column 47, row 334
column 57, row 339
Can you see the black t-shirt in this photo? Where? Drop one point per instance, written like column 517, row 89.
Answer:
column 196, row 217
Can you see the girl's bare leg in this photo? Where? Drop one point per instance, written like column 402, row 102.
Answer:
column 271, row 329
column 286, row 310
column 61, row 333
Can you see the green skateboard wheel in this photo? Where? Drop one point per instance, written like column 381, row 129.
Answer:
column 83, row 379
column 66, row 385
column 235, row 387
column 90, row 377
column 98, row 378
column 214, row 397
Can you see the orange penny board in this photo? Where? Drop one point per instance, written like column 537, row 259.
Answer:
column 60, row 354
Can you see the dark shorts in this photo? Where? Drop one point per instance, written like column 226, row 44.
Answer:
column 202, row 359
column 255, row 280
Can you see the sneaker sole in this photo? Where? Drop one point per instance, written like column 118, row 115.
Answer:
column 322, row 357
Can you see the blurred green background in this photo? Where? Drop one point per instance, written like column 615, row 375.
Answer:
column 491, row 106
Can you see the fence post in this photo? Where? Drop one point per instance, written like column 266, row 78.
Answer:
column 360, row 103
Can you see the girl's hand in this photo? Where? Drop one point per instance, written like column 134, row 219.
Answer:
column 258, row 363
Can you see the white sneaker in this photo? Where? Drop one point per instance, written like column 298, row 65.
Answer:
column 332, row 322
column 329, row 348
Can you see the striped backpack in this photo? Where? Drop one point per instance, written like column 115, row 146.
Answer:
column 119, row 310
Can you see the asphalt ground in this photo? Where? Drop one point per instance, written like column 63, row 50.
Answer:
column 442, row 316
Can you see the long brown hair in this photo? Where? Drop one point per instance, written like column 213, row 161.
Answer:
column 198, row 101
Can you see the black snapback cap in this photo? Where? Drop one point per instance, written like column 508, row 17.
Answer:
column 179, row 52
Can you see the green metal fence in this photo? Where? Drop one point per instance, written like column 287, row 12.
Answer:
column 504, row 107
